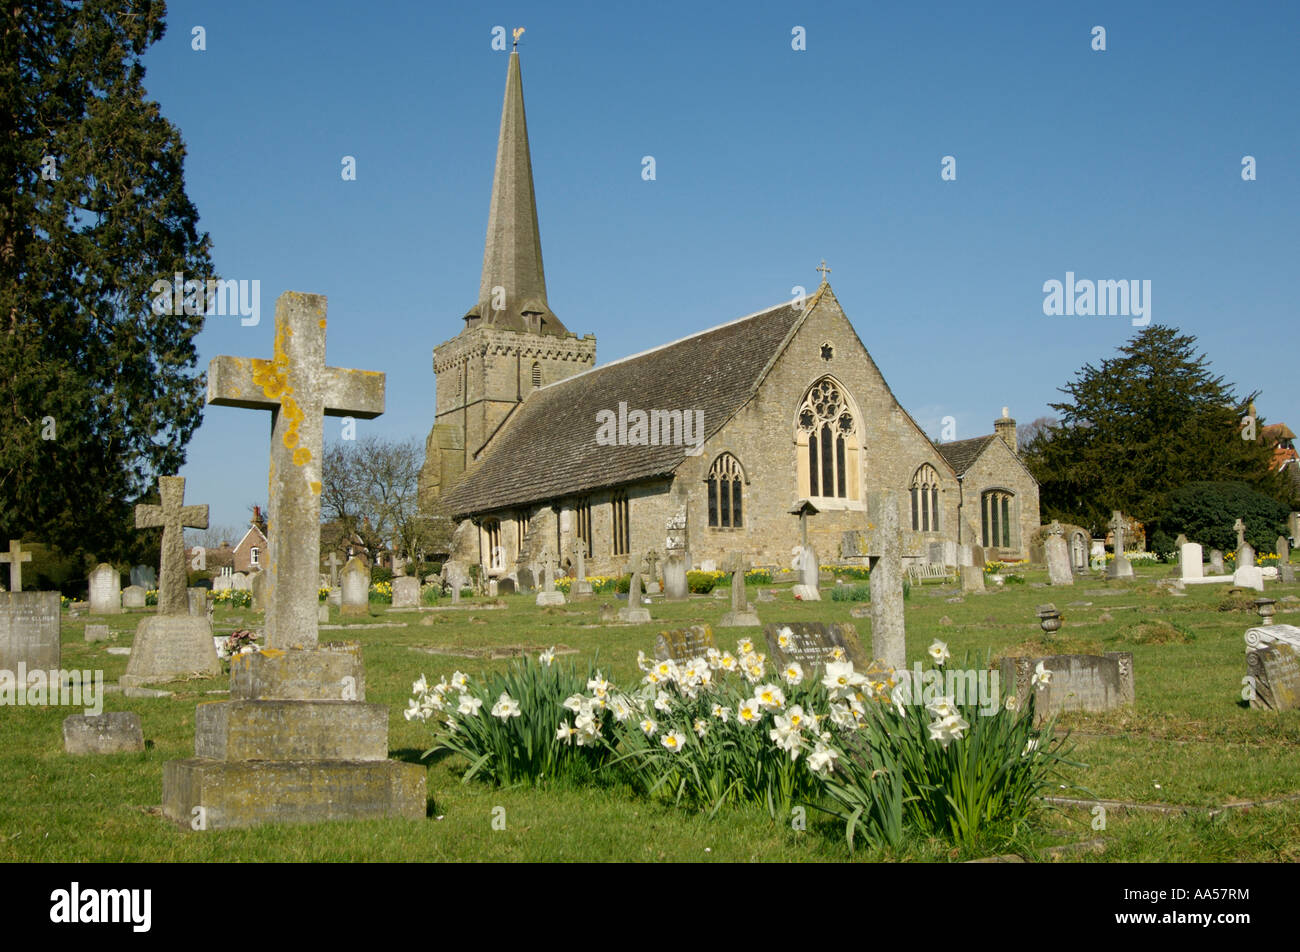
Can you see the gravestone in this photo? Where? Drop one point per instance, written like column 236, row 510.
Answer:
column 812, row 644
column 1240, row 527
column 548, row 595
column 1120, row 567
column 1190, row 560
column 29, row 632
column 741, row 615
column 1097, row 556
column 240, row 582
column 1078, row 682
column 581, row 587
column 1249, row 576
column 115, row 733
column 356, row 587
column 1180, row 542
column 222, row 583
column 1245, row 555
column 652, row 573
column 173, row 643
column 15, row 557
column 296, row 742
column 506, row 585
column 1216, row 562
column 1058, row 556
column 888, row 631
column 198, row 601
column 1285, row 570
column 456, row 575
column 95, row 633
column 634, row 612
column 676, row 586
column 333, row 563
column 105, row 590
column 406, row 592
column 972, row 569
column 684, row 644
column 1078, row 553
column 257, row 588
column 807, row 569
column 133, row 596
column 529, row 578
column 1272, row 679
column 335, row 597
column 145, row 576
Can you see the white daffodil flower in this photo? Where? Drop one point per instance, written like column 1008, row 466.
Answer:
column 793, row 673
column 783, row 636
column 642, row 662
column 938, row 651
column 771, row 697
column 1042, row 676
column 674, row 741
column 421, row 686
column 941, row 707
column 838, row 679
column 701, row 726
column 574, row 703
column 413, row 711
column 837, row 653
column 506, row 707
column 796, row 718
column 745, row 646
column 648, row 727
column 547, row 657
column 1012, row 703
column 565, row 732
column 822, row 760
column 469, row 705
column 720, row 712
column 460, row 681
column 750, row 712
column 663, row 703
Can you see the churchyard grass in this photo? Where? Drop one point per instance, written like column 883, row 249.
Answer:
column 1187, row 742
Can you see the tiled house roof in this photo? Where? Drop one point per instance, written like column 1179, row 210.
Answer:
column 547, row 448
column 961, row 454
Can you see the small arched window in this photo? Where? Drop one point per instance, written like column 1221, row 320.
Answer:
column 726, row 503
column 537, row 375
column 925, row 499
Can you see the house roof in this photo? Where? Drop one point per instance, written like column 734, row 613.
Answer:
column 546, row 448
column 252, row 528
column 961, row 454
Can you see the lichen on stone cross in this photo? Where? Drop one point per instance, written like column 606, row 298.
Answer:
column 174, row 517
column 299, row 390
column 333, row 563
column 1056, row 529
column 1241, row 532
column 15, row 557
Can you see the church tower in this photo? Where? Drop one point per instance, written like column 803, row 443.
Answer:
column 512, row 342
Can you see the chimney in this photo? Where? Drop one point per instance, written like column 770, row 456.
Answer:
column 257, row 516
column 1005, row 427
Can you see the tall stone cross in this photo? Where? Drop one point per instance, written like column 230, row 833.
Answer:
column 1116, row 525
column 580, row 556
column 652, row 564
column 1241, row 532
column 174, row 517
column 803, row 511
column 738, row 565
column 299, row 390
column 15, row 557
column 824, row 270
column 333, row 563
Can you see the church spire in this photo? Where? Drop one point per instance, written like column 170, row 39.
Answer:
column 512, row 292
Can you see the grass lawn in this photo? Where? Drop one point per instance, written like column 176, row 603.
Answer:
column 1188, row 742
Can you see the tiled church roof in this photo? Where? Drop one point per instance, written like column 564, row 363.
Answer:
column 547, row 448
column 960, row 454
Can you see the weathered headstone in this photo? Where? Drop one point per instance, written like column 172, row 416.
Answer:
column 356, row 587
column 29, row 632
column 1273, row 672
column 677, row 564
column 146, row 576
column 972, row 569
column 812, row 644
column 257, row 587
column 684, row 644
column 115, row 733
column 133, row 596
column 530, row 579
column 1216, row 562
column 1180, row 542
column 634, row 612
column 198, row 601
column 1078, row 553
column 506, row 585
column 406, row 592
column 1097, row 556
column 1120, row 567
column 888, row 631
column 296, row 742
column 172, row 643
column 741, row 615
column 15, row 557
column 1285, row 570
column 1058, row 556
column 807, row 569
column 1190, row 560
column 222, row 583
column 1078, row 682
column 96, row 633
column 240, row 582
column 581, row 587
column 105, row 590
column 549, row 595
column 1249, row 576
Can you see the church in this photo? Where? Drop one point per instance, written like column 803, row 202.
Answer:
column 719, row 438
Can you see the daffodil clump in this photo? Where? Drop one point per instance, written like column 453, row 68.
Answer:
column 381, row 593
column 233, row 598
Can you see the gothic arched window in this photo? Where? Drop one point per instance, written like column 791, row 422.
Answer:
column 726, row 505
column 925, row 499
column 997, row 514
column 826, row 435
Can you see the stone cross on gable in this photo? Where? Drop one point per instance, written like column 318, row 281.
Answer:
column 1241, row 532
column 333, row 563
column 1116, row 525
column 174, row 517
column 15, row 557
column 824, row 270
column 299, row 390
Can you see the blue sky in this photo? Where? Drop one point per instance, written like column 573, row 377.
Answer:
column 1122, row 164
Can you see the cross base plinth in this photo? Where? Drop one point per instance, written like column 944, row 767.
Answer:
column 167, row 647
column 296, row 743
column 1119, row 567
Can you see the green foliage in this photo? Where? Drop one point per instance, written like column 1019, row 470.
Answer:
column 1013, row 580
column 759, row 577
column 101, row 394
column 700, row 583
column 851, row 571
column 381, row 573
column 1140, row 426
column 429, row 594
column 858, row 592
column 1207, row 511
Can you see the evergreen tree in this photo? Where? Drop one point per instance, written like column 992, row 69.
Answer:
column 98, row 394
column 1140, row 426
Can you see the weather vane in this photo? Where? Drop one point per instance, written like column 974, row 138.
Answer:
column 518, row 33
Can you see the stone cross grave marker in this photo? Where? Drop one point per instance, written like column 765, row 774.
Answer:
column 1058, row 556
column 634, row 612
column 15, row 557
column 548, row 595
column 652, row 586
column 298, row 389
column 1240, row 528
column 333, row 563
column 1120, row 567
column 174, row 517
column 297, row 741
column 741, row 614
column 808, row 571
column 684, row 644
column 812, row 644
column 580, row 588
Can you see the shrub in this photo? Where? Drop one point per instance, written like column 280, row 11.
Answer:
column 858, row 592
column 1013, row 580
column 701, row 583
column 429, row 594
column 381, row 574
column 1207, row 511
